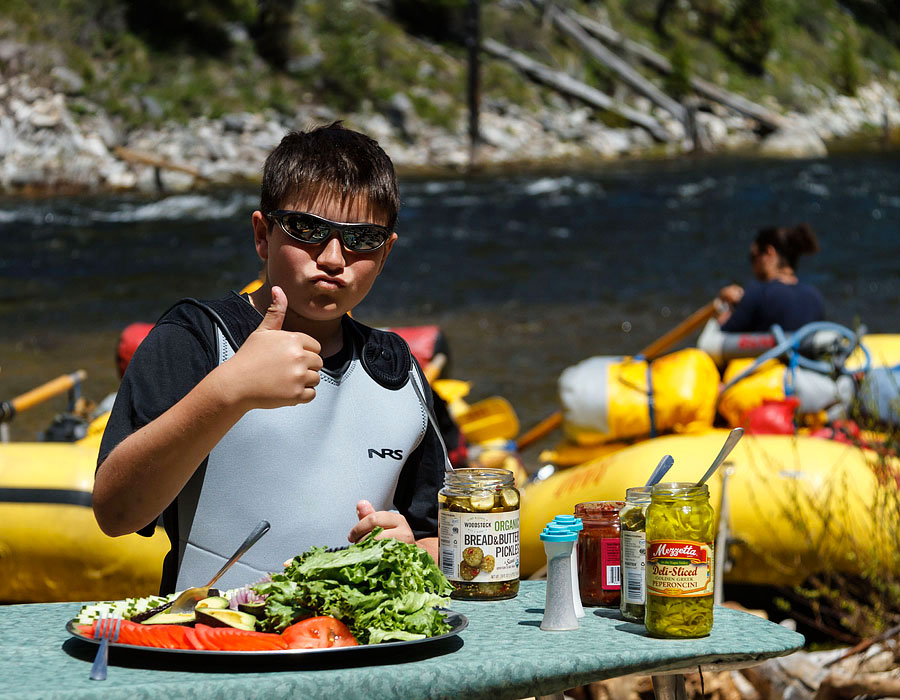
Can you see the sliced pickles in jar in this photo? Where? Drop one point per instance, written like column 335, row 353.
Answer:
column 479, row 533
column 482, row 501
column 680, row 534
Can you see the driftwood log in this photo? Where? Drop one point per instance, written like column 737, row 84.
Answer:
column 567, row 85
column 766, row 117
column 156, row 162
column 870, row 669
column 565, row 23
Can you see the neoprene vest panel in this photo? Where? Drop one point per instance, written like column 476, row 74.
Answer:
column 303, row 468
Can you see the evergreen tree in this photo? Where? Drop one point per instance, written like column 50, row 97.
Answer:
column 271, row 31
column 752, row 34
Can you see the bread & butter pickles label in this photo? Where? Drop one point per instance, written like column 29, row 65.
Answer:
column 479, row 547
column 679, row 568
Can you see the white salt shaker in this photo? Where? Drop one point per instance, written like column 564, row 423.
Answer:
column 574, row 524
column 559, row 609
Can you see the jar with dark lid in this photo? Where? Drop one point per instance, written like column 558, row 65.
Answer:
column 680, row 534
column 632, row 520
column 599, row 575
column 478, row 526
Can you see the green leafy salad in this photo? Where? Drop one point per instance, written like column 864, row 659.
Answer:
column 384, row 590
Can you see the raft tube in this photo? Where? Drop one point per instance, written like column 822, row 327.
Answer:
column 798, row 505
column 51, row 548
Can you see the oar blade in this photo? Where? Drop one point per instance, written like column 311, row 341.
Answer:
column 492, row 418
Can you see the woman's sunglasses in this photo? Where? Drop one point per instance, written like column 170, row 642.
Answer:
column 309, row 228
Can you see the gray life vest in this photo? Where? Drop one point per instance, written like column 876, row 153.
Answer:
column 303, row 468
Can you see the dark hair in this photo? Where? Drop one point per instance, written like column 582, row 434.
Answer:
column 790, row 242
column 334, row 160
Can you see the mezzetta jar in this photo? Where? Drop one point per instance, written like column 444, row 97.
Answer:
column 478, row 524
column 680, row 533
column 634, row 553
column 599, row 575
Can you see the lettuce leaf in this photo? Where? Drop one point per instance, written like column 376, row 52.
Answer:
column 382, row 589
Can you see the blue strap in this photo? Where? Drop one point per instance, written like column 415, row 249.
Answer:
column 650, row 407
column 790, row 375
column 789, row 345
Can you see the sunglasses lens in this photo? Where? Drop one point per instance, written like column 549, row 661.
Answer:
column 310, row 229
column 363, row 238
column 305, row 228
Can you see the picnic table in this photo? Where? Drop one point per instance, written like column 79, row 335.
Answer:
column 501, row 654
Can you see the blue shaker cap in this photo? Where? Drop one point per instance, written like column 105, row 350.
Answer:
column 558, row 533
column 569, row 521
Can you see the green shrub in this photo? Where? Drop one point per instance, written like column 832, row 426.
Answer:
column 678, row 82
column 848, row 74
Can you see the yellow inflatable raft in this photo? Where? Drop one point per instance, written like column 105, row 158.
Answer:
column 51, row 548
column 797, row 505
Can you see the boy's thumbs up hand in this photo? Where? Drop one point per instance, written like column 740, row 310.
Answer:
column 274, row 367
column 274, row 317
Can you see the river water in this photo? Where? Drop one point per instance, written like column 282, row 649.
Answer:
column 526, row 274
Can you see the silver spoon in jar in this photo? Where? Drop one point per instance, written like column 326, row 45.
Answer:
column 434, row 424
column 730, row 442
column 664, row 465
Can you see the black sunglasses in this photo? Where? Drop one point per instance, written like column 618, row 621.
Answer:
column 309, row 228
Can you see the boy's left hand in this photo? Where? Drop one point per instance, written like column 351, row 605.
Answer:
column 394, row 524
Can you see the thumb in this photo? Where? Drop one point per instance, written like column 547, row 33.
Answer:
column 364, row 508
column 275, row 313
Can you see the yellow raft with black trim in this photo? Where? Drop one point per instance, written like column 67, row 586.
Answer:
column 797, row 505
column 51, row 548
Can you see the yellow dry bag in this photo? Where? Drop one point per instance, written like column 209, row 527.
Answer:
column 616, row 398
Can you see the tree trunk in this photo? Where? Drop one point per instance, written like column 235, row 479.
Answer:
column 567, row 85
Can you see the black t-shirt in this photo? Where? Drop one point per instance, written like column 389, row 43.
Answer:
column 181, row 350
column 766, row 303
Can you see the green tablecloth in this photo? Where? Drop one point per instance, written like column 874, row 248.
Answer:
column 502, row 654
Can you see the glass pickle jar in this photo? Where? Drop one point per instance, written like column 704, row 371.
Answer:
column 680, row 534
column 478, row 526
column 599, row 580
column 634, row 553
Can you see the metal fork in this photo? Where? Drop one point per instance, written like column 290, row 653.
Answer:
column 107, row 630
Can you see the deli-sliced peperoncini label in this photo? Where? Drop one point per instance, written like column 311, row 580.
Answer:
column 679, row 568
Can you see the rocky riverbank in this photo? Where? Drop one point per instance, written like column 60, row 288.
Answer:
column 60, row 140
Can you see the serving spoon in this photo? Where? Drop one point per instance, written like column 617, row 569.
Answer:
column 730, row 442
column 664, row 465
column 187, row 601
column 412, row 380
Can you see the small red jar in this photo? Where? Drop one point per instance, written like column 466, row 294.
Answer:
column 599, row 568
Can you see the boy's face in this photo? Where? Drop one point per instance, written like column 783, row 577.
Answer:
column 322, row 281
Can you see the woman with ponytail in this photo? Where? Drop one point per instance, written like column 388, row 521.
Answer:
column 778, row 296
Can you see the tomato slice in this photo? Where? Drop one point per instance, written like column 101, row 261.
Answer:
column 127, row 631
column 161, row 636
column 193, row 641
column 320, row 632
column 140, row 634
column 177, row 637
column 233, row 639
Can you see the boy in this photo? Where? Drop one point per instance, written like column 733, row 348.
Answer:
column 228, row 414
